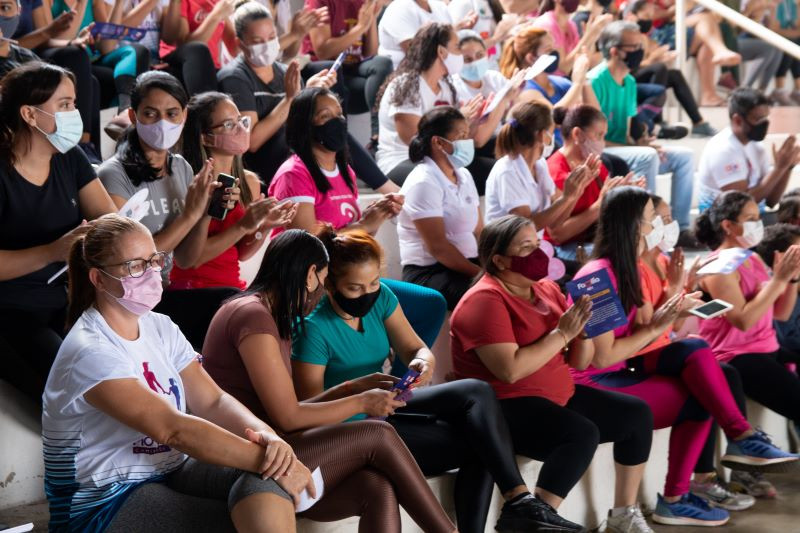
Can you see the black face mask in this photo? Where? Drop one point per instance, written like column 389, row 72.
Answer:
column 552, row 67
column 604, row 3
column 357, row 307
column 634, row 59
column 332, row 135
column 645, row 25
column 757, row 132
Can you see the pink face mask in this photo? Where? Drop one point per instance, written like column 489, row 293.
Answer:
column 237, row 142
column 141, row 294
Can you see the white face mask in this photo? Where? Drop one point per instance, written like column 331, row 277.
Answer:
column 753, row 233
column 548, row 148
column 162, row 135
column 671, row 233
column 656, row 235
column 263, row 54
column 453, row 63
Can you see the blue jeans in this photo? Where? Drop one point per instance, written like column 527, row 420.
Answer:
column 645, row 161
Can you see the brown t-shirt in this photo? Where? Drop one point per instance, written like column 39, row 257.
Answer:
column 234, row 322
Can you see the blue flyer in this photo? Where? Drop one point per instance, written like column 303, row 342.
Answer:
column 607, row 312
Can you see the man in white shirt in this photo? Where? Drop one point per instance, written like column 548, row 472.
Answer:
column 736, row 160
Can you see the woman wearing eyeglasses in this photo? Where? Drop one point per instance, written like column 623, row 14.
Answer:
column 216, row 130
column 122, row 452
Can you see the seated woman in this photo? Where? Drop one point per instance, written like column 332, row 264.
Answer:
column 319, row 178
column 423, row 81
column 215, row 130
column 526, row 47
column 247, row 352
column 520, row 182
column 116, row 409
column 745, row 336
column 513, row 330
column 263, row 89
column 441, row 219
column 681, row 381
column 35, row 30
column 115, row 63
column 583, row 128
column 341, row 350
column 47, row 187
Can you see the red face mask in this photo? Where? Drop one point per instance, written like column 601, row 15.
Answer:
column 533, row 266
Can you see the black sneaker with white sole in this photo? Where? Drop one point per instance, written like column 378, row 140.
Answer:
column 535, row 516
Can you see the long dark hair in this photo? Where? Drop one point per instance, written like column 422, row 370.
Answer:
column 578, row 116
column 299, row 139
column 617, row 239
column 726, row 206
column 129, row 149
column 30, row 84
column 495, row 239
column 437, row 122
column 423, row 51
column 198, row 122
column 282, row 277
column 94, row 249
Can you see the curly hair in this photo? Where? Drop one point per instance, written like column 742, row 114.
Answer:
column 727, row 206
column 421, row 55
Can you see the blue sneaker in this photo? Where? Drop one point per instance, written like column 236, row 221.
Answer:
column 758, row 453
column 690, row 510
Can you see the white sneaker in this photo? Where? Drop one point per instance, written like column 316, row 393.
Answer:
column 631, row 521
column 715, row 493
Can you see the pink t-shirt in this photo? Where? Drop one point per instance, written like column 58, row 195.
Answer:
column 338, row 206
column 726, row 340
column 564, row 41
column 583, row 377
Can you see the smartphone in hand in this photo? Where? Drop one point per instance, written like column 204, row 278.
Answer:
column 216, row 208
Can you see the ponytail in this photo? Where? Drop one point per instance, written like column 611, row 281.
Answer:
column 81, row 290
column 437, row 122
column 727, row 206
column 527, row 119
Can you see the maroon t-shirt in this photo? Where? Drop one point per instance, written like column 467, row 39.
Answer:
column 233, row 323
column 344, row 15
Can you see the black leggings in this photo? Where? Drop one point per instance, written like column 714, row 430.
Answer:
column 266, row 161
column 767, row 381
column 565, row 438
column 660, row 74
column 705, row 463
column 789, row 63
column 29, row 342
column 438, row 277
column 77, row 61
column 467, row 432
column 192, row 64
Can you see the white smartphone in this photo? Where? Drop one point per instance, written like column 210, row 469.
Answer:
column 712, row 309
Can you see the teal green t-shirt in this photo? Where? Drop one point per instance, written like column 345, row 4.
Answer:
column 617, row 102
column 344, row 352
column 59, row 6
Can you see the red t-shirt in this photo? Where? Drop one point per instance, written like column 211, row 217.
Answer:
column 653, row 288
column 559, row 170
column 488, row 314
column 344, row 15
column 222, row 271
column 195, row 12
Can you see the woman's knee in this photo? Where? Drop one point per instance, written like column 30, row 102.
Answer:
column 380, row 67
column 196, row 51
column 249, row 485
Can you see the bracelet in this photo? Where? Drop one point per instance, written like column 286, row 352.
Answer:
column 563, row 336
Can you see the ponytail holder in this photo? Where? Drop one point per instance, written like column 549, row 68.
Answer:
column 513, row 122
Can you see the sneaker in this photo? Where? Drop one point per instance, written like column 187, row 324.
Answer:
column 703, row 129
column 752, row 483
column 795, row 95
column 782, row 97
column 632, row 521
column 727, row 81
column 689, row 511
column 714, row 492
column 757, row 453
column 532, row 514
column 672, row 132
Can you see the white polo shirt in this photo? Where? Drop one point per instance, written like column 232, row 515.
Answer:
column 493, row 82
column 391, row 149
column 511, row 185
column 726, row 160
column 401, row 21
column 429, row 194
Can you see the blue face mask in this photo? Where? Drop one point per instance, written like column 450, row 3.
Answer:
column 463, row 153
column 474, row 71
column 69, row 128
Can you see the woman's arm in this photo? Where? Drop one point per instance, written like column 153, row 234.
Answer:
column 75, row 27
column 136, row 16
column 574, row 225
column 745, row 313
column 101, row 14
column 510, row 362
column 407, row 345
column 407, row 126
column 174, row 27
column 95, row 201
column 431, row 230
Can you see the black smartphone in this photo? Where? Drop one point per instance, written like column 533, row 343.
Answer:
column 216, row 209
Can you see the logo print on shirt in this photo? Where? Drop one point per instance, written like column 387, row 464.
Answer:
column 74, row 203
column 146, row 445
column 348, row 210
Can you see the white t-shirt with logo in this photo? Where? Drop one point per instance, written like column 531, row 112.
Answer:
column 429, row 194
column 401, row 21
column 726, row 160
column 391, row 149
column 493, row 82
column 90, row 457
column 510, row 185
